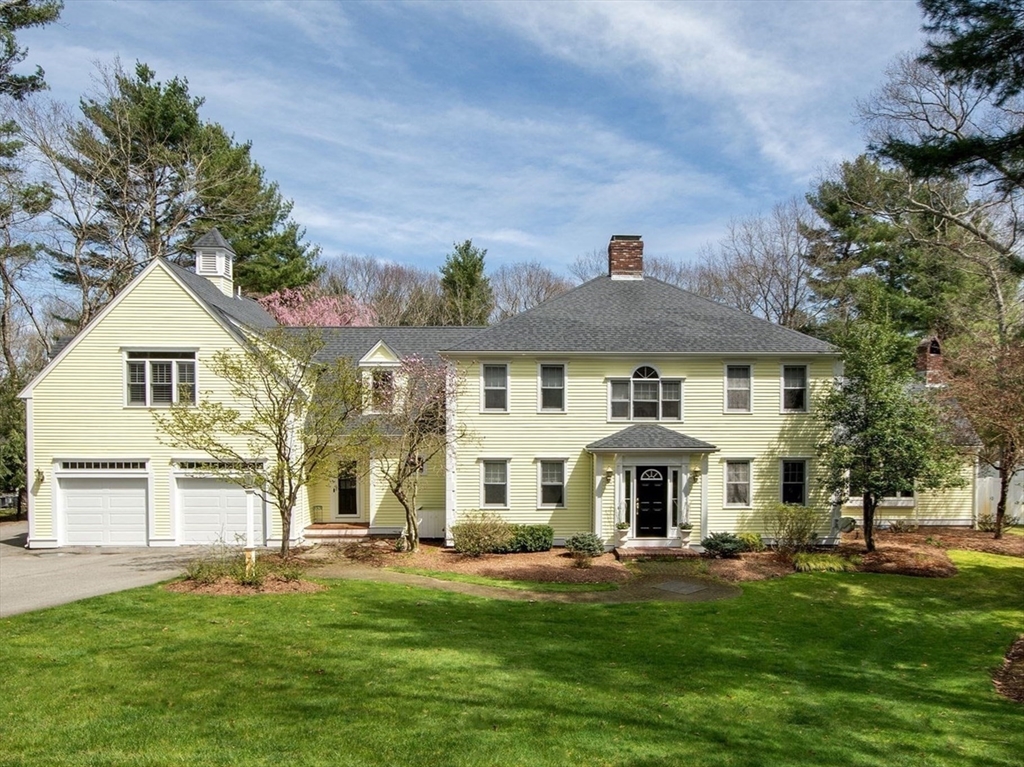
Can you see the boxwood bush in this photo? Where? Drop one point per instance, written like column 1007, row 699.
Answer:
column 584, row 547
column 528, row 538
column 723, row 545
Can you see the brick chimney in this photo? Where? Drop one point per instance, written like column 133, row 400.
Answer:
column 626, row 257
column 929, row 362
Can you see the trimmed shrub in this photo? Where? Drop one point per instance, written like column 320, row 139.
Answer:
column 529, row 538
column 723, row 545
column 480, row 534
column 793, row 528
column 584, row 547
column 752, row 541
column 901, row 526
column 823, row 563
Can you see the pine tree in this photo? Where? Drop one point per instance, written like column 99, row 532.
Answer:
column 466, row 290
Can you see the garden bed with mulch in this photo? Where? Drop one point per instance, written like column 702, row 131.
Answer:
column 554, row 566
column 227, row 586
column 922, row 554
column 1009, row 679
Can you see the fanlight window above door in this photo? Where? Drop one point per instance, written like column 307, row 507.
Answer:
column 651, row 475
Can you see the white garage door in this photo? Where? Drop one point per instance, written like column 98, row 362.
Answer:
column 213, row 512
column 104, row 512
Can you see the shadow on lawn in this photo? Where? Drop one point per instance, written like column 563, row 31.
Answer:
column 805, row 671
column 887, row 670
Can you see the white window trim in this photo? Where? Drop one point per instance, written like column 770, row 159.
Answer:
column 807, row 476
column 725, row 387
column 565, row 386
column 539, row 460
column 508, row 386
column 149, row 381
column 782, row 387
column 725, row 483
column 681, row 380
column 368, row 373
column 508, row 480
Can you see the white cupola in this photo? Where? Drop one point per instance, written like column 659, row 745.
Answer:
column 214, row 258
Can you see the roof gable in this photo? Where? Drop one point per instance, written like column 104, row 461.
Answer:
column 643, row 316
column 380, row 354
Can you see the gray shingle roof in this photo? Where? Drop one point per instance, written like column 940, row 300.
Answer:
column 649, row 436
column 212, row 239
column 243, row 311
column 638, row 316
column 354, row 343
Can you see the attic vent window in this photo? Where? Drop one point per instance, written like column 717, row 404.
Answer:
column 102, row 465
column 208, row 262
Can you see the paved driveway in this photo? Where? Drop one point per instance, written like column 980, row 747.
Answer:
column 32, row 580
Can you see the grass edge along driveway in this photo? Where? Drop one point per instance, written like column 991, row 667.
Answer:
column 822, row 669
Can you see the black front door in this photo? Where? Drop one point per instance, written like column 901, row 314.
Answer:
column 651, row 494
column 347, row 491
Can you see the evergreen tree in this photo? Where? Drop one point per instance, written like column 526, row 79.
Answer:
column 466, row 290
column 980, row 44
column 15, row 15
column 162, row 177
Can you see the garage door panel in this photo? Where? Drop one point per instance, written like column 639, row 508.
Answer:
column 99, row 511
column 213, row 511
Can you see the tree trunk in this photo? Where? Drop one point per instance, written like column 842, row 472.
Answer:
column 22, row 502
column 286, row 532
column 1005, row 476
column 869, row 522
column 412, row 527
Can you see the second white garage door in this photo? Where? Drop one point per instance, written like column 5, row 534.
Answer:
column 212, row 511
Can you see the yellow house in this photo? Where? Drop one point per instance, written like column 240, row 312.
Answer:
column 625, row 401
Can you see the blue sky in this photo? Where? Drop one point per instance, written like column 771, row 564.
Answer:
column 536, row 129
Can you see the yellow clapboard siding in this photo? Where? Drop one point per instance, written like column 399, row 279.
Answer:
column 766, row 435
column 78, row 407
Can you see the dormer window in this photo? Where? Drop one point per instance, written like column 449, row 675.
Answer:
column 645, row 396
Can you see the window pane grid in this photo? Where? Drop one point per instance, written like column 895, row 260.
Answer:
column 552, row 478
column 495, row 387
column 737, row 384
column 552, row 383
column 737, row 483
column 794, row 387
column 495, row 483
column 794, row 475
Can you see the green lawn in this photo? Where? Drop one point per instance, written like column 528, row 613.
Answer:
column 811, row 670
column 480, row 580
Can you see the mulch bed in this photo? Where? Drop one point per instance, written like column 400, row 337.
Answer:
column 1009, row 679
column 228, row 587
column 922, row 553
column 752, row 566
column 555, row 566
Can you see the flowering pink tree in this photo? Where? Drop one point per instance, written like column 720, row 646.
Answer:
column 412, row 432
column 309, row 307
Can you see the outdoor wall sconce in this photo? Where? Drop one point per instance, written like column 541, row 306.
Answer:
column 608, row 474
column 695, row 474
column 40, row 476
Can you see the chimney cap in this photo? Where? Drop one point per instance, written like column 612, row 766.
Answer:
column 628, row 237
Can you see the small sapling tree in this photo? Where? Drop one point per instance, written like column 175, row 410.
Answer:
column 281, row 424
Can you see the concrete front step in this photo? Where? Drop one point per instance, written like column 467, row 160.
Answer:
column 328, row 531
column 653, row 552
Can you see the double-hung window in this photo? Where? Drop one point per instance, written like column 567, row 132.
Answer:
column 737, row 483
column 794, row 482
column 794, row 388
column 382, row 390
column 645, row 396
column 156, row 379
column 737, row 388
column 495, row 483
column 495, row 387
column 552, row 483
column 552, row 387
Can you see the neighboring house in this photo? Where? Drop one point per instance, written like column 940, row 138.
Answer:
column 625, row 399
